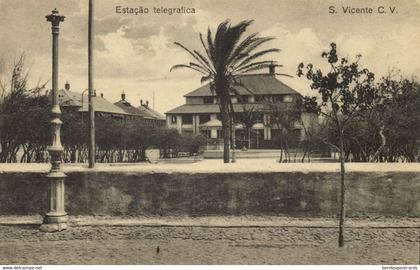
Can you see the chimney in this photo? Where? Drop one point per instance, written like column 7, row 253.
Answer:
column 67, row 86
column 102, row 95
column 123, row 95
column 147, row 104
column 272, row 69
column 141, row 102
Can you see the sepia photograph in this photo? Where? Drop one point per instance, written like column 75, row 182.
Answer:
column 217, row 133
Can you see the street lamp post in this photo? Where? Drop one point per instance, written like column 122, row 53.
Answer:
column 56, row 219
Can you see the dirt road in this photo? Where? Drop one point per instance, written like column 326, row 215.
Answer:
column 25, row 244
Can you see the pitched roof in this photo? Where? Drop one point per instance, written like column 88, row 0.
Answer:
column 213, row 108
column 68, row 98
column 149, row 112
column 128, row 108
column 212, row 123
column 256, row 84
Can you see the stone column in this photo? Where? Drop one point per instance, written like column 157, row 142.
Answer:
column 56, row 219
column 267, row 128
column 179, row 123
column 194, row 124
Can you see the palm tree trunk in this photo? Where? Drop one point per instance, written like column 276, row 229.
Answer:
column 226, row 143
column 226, row 128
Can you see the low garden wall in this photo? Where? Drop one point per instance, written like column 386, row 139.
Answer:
column 312, row 194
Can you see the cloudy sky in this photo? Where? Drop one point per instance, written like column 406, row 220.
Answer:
column 135, row 52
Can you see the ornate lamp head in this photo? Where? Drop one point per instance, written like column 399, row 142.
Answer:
column 55, row 18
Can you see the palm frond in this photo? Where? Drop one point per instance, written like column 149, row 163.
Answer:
column 218, row 42
column 255, row 56
column 212, row 50
column 207, row 49
column 238, row 52
column 186, row 66
column 192, row 54
column 255, row 43
column 284, row 74
column 206, row 78
column 254, row 68
column 192, row 64
column 232, row 38
column 246, row 52
column 267, row 63
column 205, row 60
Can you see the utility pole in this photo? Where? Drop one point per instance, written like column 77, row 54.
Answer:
column 92, row 143
column 56, row 219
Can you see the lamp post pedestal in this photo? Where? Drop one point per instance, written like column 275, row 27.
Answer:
column 56, row 219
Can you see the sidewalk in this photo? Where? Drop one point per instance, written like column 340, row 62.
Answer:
column 221, row 221
column 209, row 241
column 215, row 166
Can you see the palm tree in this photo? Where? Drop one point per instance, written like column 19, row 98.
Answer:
column 226, row 57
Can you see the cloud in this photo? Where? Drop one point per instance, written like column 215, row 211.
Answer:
column 124, row 57
column 302, row 46
column 396, row 49
column 351, row 45
column 136, row 52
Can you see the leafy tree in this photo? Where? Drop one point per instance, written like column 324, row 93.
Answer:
column 24, row 121
column 344, row 91
column 284, row 117
column 193, row 144
column 247, row 118
column 398, row 116
column 226, row 57
column 313, row 133
column 168, row 141
column 74, row 132
column 389, row 129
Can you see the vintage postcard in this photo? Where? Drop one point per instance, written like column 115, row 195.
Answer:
column 209, row 132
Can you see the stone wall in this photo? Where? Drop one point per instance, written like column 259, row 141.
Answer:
column 201, row 194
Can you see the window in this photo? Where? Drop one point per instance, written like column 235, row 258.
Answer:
column 259, row 98
column 204, row 118
column 208, row 100
column 277, row 98
column 173, row 119
column 287, row 99
column 194, row 100
column 187, row 119
column 242, row 99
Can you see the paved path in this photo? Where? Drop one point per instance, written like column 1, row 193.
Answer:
column 217, row 166
column 221, row 221
column 186, row 244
